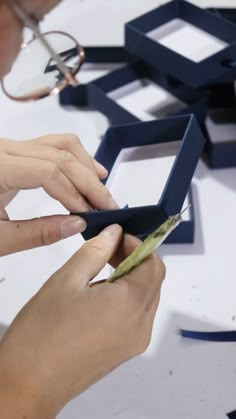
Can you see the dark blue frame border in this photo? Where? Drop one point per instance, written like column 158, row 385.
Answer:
column 141, row 221
column 211, row 70
column 98, row 93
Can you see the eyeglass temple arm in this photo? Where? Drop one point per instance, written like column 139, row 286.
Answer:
column 34, row 27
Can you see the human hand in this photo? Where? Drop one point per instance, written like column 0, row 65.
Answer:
column 72, row 334
column 60, row 165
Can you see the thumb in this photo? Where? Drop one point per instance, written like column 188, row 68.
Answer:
column 92, row 257
column 22, row 235
column 126, row 247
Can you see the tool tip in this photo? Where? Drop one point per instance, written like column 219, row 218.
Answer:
column 185, row 209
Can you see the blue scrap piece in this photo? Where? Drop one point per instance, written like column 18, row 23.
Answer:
column 225, row 336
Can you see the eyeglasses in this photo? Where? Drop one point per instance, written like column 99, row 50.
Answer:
column 45, row 65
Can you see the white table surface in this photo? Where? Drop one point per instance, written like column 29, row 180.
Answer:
column 175, row 378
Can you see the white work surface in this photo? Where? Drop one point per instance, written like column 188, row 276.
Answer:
column 175, row 378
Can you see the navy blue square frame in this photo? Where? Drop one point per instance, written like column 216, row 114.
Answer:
column 140, row 221
column 99, row 89
column 214, row 69
column 222, row 111
column 77, row 96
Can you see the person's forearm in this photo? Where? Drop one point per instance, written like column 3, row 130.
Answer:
column 12, row 406
column 16, row 402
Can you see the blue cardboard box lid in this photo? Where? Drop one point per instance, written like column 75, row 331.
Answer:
column 141, row 220
column 185, row 41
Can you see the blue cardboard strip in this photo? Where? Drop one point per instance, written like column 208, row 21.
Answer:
column 227, row 336
column 103, row 54
column 141, row 221
column 98, row 93
column 213, row 69
column 182, row 171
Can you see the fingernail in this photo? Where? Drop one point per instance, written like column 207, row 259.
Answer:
column 112, row 230
column 73, row 226
column 3, row 214
column 103, row 172
column 112, row 204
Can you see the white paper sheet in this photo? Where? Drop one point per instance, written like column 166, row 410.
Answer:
column 146, row 100
column 139, row 174
column 187, row 40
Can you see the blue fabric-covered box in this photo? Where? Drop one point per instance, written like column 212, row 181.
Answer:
column 162, row 157
column 138, row 92
column 220, row 127
column 98, row 61
column 191, row 44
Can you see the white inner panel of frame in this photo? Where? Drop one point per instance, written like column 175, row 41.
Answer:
column 187, row 40
column 139, row 174
column 146, row 100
